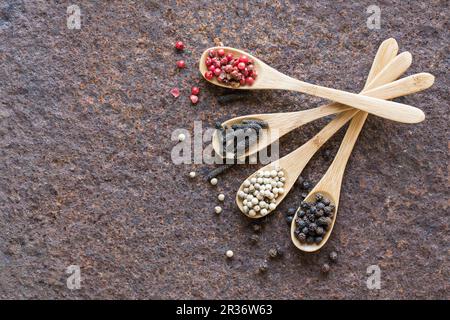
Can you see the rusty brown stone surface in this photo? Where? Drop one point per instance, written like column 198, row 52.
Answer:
column 86, row 176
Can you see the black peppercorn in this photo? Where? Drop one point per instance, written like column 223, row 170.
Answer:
column 312, row 209
column 256, row 227
column 310, row 240
column 318, row 214
column 273, row 253
column 319, row 197
column 318, row 240
column 254, row 238
column 305, row 230
column 299, row 180
column 324, row 221
column 263, row 267
column 306, row 185
column 304, row 205
column 312, row 228
column 289, row 219
column 311, row 217
column 325, row 268
column 301, row 237
column 301, row 213
column 301, row 223
column 291, row 211
column 320, row 206
column 333, row 256
column 304, row 195
column 326, row 201
column 320, row 231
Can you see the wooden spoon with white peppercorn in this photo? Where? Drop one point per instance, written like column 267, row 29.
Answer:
column 330, row 184
column 269, row 78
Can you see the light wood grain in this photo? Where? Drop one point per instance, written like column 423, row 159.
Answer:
column 269, row 78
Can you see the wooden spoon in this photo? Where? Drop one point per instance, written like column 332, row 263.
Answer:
column 269, row 78
column 281, row 123
column 330, row 184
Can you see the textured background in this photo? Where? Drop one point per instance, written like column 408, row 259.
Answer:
column 86, row 176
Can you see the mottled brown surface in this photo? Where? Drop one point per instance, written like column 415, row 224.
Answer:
column 85, row 178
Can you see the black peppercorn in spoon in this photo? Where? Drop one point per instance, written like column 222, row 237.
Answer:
column 330, row 184
column 269, row 78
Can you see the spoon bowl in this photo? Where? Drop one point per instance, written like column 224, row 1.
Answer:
column 315, row 247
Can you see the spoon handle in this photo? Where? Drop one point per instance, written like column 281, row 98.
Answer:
column 386, row 109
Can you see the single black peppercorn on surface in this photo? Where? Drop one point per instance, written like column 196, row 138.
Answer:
column 314, row 220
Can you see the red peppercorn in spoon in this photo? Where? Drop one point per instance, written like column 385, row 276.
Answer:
column 269, row 78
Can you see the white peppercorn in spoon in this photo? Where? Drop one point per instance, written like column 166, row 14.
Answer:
column 269, row 78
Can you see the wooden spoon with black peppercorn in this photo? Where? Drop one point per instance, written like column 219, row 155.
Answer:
column 330, row 184
column 269, row 78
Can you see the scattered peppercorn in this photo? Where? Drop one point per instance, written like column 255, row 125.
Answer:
column 230, row 254
column 325, row 268
column 289, row 219
column 179, row 45
column 254, row 238
column 273, row 253
column 213, row 181
column 256, row 227
column 218, row 209
column 192, row 174
column 333, row 256
column 263, row 267
column 194, row 99
column 181, row 137
column 291, row 211
column 306, row 185
column 195, row 91
column 181, row 64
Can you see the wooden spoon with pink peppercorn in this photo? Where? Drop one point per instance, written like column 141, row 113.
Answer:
column 269, row 78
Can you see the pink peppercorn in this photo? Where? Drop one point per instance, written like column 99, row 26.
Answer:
column 194, row 99
column 179, row 45
column 195, row 91
column 229, row 56
column 181, row 64
column 243, row 59
column 211, row 68
column 249, row 81
column 217, row 72
column 241, row 65
column 209, row 75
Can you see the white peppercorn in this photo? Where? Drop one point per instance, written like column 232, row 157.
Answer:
column 214, row 181
column 181, row 137
column 221, row 197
